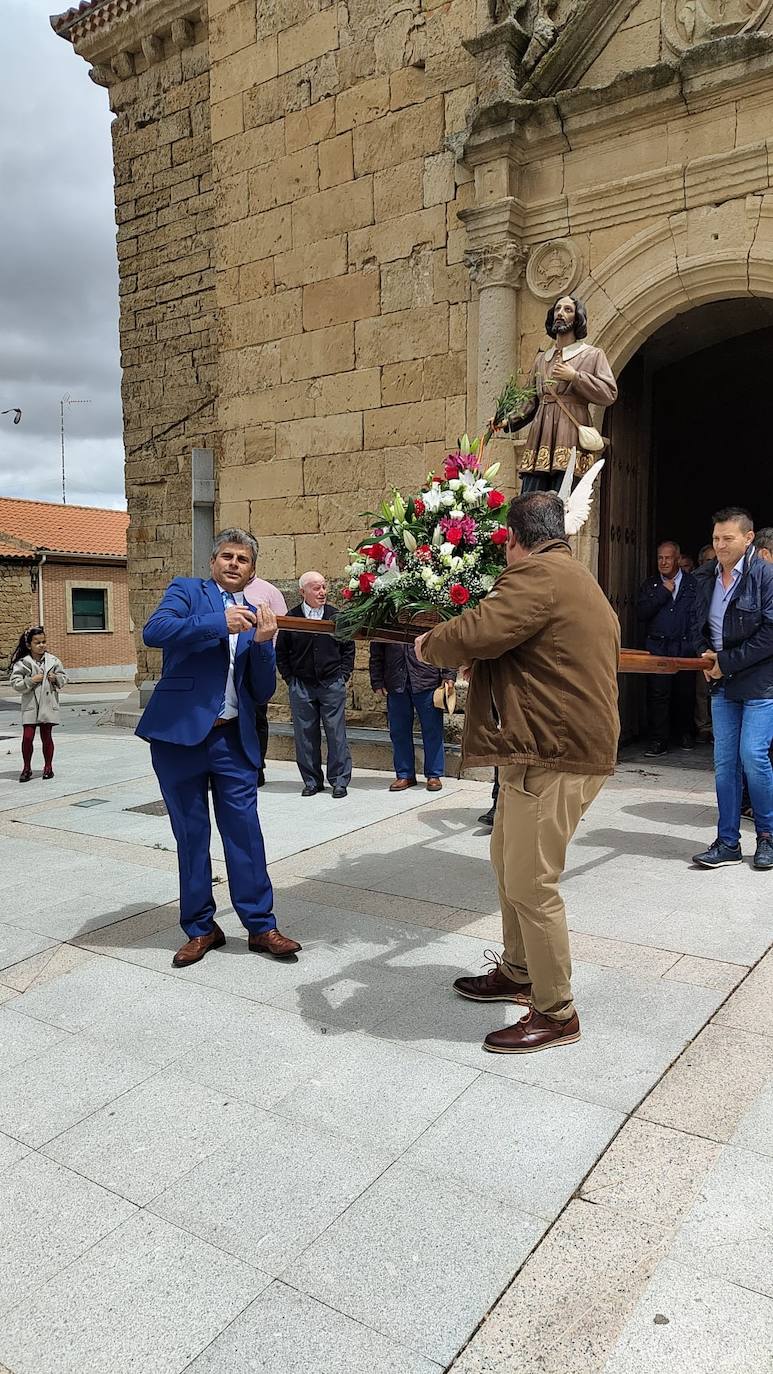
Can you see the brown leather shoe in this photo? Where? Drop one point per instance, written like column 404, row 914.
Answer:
column 196, row 948
column 400, row 784
column 533, row 1032
column 434, row 784
column 271, row 942
column 494, row 986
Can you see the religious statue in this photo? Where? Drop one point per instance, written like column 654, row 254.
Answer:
column 567, row 378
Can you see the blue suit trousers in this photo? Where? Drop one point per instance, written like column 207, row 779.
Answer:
column 183, row 772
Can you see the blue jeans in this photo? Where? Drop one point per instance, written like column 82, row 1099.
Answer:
column 742, row 734
column 400, row 709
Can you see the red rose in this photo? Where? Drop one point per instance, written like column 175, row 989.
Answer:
column 453, row 534
column 377, row 552
column 494, row 500
column 459, row 595
column 424, row 552
column 451, row 468
column 366, row 582
column 499, row 535
column 419, row 506
column 347, row 593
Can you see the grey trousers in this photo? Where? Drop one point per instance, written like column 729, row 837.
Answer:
column 312, row 707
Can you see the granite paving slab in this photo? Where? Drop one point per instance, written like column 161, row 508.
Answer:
column 417, row 1259
column 44, row 1096
column 264, row 1200
column 728, row 1232
column 147, row 1297
column 17, row 944
column 685, row 1321
column 48, row 1217
column 286, row 1331
column 153, row 1135
column 23, row 1038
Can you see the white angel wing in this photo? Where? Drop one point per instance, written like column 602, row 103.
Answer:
column 566, row 486
column 577, row 505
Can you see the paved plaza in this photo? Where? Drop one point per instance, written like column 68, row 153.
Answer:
column 249, row 1167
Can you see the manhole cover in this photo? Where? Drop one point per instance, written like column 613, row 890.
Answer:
column 91, row 801
column 155, row 808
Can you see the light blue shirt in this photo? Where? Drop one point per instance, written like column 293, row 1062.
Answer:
column 677, row 584
column 230, row 709
column 720, row 601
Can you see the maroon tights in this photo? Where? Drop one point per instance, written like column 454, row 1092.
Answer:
column 28, row 739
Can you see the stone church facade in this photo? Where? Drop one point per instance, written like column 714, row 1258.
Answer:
column 340, row 226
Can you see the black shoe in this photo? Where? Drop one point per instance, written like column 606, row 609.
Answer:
column 763, row 857
column 718, row 855
column 339, row 792
column 488, row 817
column 311, row 791
column 687, row 742
column 746, row 811
column 261, row 778
column 655, row 750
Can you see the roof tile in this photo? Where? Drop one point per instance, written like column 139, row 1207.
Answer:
column 64, row 529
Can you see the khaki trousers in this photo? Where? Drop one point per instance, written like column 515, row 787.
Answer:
column 538, row 811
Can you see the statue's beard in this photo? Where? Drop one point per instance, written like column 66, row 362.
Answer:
column 563, row 326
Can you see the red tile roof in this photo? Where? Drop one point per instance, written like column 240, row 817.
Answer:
column 9, row 550
column 99, row 12
column 64, row 529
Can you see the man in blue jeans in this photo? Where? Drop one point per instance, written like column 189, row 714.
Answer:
column 733, row 630
column 410, row 686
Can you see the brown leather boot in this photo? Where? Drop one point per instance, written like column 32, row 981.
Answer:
column 196, row 948
column 434, row 784
column 272, row 942
column 533, row 1032
column 400, row 784
column 494, row 986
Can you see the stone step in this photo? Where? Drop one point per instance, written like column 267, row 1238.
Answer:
column 370, row 746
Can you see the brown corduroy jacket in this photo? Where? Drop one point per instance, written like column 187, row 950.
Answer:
column 544, row 646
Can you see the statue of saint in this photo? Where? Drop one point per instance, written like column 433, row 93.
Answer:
column 567, row 378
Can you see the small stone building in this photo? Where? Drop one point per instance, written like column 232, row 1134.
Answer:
column 340, row 225
column 64, row 567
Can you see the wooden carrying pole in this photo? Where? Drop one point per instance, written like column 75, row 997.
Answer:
column 631, row 660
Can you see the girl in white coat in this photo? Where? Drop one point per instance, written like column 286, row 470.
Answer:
column 38, row 676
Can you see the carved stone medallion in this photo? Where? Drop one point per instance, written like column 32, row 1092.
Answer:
column 553, row 268
column 686, row 23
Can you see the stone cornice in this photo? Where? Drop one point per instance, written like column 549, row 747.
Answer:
column 630, row 102
column 102, row 31
column 578, row 45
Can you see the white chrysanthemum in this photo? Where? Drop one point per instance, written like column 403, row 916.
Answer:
column 357, row 568
column 456, row 514
column 456, row 563
column 455, row 484
column 471, row 496
column 353, row 585
column 447, row 498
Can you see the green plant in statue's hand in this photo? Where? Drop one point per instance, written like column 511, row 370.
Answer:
column 511, row 401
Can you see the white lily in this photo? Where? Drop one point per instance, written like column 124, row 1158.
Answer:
column 409, row 541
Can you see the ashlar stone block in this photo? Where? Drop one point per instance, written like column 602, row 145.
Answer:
column 352, row 297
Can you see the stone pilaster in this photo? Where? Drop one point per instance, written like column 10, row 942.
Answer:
column 496, row 262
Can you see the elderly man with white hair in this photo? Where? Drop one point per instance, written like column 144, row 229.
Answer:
column 317, row 669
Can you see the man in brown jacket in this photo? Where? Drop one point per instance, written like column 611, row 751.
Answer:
column 544, row 647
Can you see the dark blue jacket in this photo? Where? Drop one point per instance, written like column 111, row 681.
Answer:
column 667, row 620
column 393, row 666
column 190, row 626
column 746, row 659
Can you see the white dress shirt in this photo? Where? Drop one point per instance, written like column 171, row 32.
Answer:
column 313, row 612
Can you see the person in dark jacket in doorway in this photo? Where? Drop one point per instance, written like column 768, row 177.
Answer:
column 317, row 669
column 665, row 610
column 410, row 686
column 733, row 630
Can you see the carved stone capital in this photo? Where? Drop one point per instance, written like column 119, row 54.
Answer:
column 498, row 264
column 554, row 268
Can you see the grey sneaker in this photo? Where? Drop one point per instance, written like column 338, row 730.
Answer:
column 718, row 855
column 763, row 857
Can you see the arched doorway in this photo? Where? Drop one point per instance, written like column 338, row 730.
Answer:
column 689, row 433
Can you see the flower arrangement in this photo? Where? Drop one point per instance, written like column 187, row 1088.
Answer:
column 435, row 552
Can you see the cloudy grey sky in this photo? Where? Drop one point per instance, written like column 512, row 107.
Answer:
column 58, row 273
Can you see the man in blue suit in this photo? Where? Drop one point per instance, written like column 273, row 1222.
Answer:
column 218, row 664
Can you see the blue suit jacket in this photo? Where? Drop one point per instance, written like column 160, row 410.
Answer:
column 190, row 626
